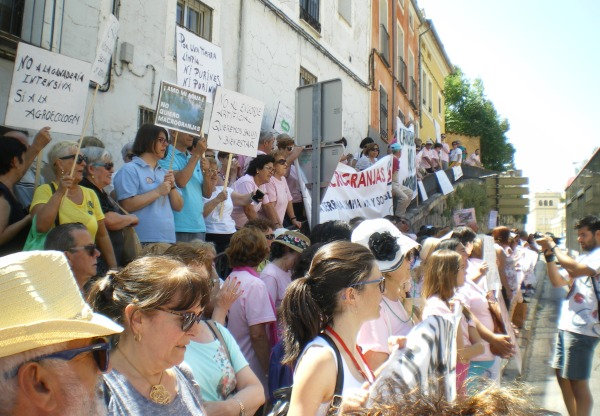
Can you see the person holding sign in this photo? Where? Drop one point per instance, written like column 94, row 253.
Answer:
column 143, row 187
column 188, row 168
column 65, row 201
column 258, row 175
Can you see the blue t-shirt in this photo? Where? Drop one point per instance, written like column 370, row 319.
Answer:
column 156, row 219
column 190, row 218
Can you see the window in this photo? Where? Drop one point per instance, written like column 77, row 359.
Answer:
column 541, row 203
column 410, row 21
column 411, row 64
column 309, row 12
column 401, row 3
column 383, row 114
column 306, row 77
column 196, row 17
column 345, row 10
column 424, row 91
column 383, row 13
column 11, row 16
column 439, row 104
column 551, row 203
column 145, row 116
column 545, row 203
column 429, row 95
column 401, row 66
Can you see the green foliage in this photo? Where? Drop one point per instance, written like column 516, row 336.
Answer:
column 469, row 112
column 469, row 195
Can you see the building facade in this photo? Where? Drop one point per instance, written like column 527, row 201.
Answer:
column 544, row 208
column 269, row 48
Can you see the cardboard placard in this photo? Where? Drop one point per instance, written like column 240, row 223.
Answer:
column 444, row 182
column 199, row 64
column 100, row 66
column 284, row 119
column 235, row 123
column 47, row 89
column 463, row 216
column 179, row 109
column 408, row 169
column 422, row 191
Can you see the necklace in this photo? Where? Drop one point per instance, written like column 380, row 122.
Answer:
column 158, row 392
column 394, row 313
column 345, row 347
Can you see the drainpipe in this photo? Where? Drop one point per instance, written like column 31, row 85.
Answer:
column 420, row 86
column 240, row 48
column 394, row 63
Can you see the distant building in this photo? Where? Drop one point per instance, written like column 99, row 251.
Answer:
column 544, row 210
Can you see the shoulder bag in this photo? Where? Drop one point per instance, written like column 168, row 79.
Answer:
column 35, row 239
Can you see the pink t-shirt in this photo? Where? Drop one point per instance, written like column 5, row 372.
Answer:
column 246, row 185
column 252, row 308
column 279, row 193
column 473, row 297
column 429, row 154
column 444, row 154
column 277, row 281
column 293, row 185
column 393, row 321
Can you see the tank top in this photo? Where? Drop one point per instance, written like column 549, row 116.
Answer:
column 17, row 213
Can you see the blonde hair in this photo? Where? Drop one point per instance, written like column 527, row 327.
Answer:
column 59, row 150
column 441, row 274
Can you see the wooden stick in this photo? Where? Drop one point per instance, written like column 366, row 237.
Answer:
column 85, row 123
column 225, row 183
column 38, row 170
column 173, row 154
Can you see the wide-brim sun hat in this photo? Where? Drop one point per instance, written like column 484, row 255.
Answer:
column 41, row 304
column 386, row 242
column 294, row 240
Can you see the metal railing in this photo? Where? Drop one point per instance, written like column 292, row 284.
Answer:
column 412, row 97
column 402, row 74
column 309, row 12
column 384, row 44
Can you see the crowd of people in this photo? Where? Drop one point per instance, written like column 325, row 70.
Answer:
column 231, row 299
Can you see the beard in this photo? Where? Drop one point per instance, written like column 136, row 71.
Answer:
column 79, row 401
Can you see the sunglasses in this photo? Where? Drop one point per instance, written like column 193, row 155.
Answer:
column 375, row 149
column 270, row 236
column 380, row 282
column 80, row 158
column 282, row 162
column 90, row 249
column 290, row 148
column 100, row 351
column 211, row 156
column 212, row 171
column 188, row 319
column 107, row 166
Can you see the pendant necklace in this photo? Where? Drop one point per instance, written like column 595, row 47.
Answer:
column 158, row 392
column 394, row 313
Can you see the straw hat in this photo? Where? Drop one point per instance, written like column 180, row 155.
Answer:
column 294, row 240
column 385, row 241
column 41, row 304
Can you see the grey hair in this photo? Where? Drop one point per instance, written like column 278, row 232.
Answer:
column 127, row 148
column 265, row 136
column 59, row 150
column 60, row 238
column 95, row 155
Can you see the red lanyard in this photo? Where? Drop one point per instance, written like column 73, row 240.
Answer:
column 345, row 347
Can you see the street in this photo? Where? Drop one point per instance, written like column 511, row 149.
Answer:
column 537, row 373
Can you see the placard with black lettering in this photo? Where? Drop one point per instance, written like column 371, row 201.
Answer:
column 179, row 109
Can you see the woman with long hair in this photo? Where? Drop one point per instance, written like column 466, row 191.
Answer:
column 341, row 291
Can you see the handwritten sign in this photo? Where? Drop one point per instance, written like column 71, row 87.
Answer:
column 179, row 109
column 284, row 120
column 408, row 169
column 100, row 66
column 463, row 216
column 199, row 64
column 235, row 123
column 47, row 89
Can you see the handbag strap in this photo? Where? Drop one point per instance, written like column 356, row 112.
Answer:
column 339, row 382
column 596, row 292
column 217, row 333
column 117, row 204
column 56, row 220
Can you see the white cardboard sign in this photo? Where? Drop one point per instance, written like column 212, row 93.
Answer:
column 235, row 123
column 47, row 89
column 408, row 170
column 444, row 182
column 284, row 120
column 100, row 66
column 199, row 64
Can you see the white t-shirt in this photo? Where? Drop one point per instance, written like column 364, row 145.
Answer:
column 456, row 155
column 579, row 311
column 215, row 224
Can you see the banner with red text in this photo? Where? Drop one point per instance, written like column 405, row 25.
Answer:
column 359, row 194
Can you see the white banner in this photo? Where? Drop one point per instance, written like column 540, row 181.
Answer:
column 408, row 169
column 359, row 194
column 199, row 64
column 235, row 123
column 47, row 89
column 284, row 120
column 100, row 66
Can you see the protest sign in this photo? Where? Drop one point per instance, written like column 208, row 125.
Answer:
column 493, row 220
column 284, row 119
column 489, row 256
column 408, row 169
column 351, row 194
column 235, row 123
column 422, row 191
column 100, row 66
column 47, row 89
column 457, row 171
column 506, row 318
column 463, row 216
column 179, row 109
column 444, row 182
column 199, row 64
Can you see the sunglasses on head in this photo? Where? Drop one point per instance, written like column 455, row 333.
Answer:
column 100, row 351
column 188, row 319
column 282, row 161
column 90, row 249
column 80, row 158
column 107, row 165
column 380, row 282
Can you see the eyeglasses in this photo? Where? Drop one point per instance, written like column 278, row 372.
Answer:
column 80, row 158
column 282, row 162
column 162, row 140
column 100, row 351
column 212, row 171
column 90, row 249
column 376, row 149
column 380, row 281
column 188, row 319
column 270, row 236
column 107, row 166
column 269, row 168
column 211, row 156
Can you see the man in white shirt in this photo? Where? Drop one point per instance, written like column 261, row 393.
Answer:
column 455, row 155
column 578, row 325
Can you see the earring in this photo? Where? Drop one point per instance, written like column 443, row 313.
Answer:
column 137, row 337
column 343, row 297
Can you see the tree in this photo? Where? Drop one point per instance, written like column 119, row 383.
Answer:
column 469, row 112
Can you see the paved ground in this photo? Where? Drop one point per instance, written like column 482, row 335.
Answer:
column 537, row 343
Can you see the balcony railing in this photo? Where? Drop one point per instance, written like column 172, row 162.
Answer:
column 412, row 97
column 402, row 74
column 384, row 44
column 309, row 12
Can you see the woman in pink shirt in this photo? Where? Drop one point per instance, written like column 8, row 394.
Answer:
column 280, row 198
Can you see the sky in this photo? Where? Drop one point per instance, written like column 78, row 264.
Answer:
column 540, row 65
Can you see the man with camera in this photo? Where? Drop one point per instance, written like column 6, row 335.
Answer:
column 578, row 325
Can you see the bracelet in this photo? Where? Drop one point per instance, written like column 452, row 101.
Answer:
column 242, row 408
column 550, row 258
column 553, row 248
